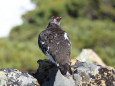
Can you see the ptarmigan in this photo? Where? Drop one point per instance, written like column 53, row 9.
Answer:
column 56, row 45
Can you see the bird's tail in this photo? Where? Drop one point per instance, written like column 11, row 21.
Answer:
column 65, row 69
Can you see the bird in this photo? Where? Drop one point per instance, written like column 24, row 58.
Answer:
column 56, row 45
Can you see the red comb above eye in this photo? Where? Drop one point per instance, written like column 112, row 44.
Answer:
column 58, row 18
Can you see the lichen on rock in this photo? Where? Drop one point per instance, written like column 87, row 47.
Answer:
column 13, row 77
column 84, row 74
column 91, row 74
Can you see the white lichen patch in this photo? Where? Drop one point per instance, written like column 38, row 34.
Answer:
column 88, row 68
column 95, row 71
column 12, row 77
column 78, row 79
column 3, row 78
column 24, row 80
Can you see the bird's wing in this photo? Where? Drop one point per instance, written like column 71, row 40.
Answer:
column 41, row 44
column 45, row 40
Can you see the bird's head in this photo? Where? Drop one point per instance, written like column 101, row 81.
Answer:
column 55, row 20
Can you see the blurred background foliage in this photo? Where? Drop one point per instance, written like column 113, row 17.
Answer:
column 89, row 23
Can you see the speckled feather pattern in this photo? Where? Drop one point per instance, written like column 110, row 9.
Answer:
column 55, row 44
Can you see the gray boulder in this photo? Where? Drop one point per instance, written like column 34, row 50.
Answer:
column 13, row 77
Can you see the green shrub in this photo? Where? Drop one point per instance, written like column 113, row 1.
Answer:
column 89, row 23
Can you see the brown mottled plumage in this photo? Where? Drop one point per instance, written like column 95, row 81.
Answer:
column 55, row 44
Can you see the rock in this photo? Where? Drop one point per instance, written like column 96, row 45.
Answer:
column 90, row 74
column 84, row 74
column 88, row 55
column 61, row 80
column 13, row 77
column 48, row 74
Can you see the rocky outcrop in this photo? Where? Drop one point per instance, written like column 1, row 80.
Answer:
column 84, row 74
column 49, row 75
column 88, row 55
column 90, row 74
column 13, row 77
